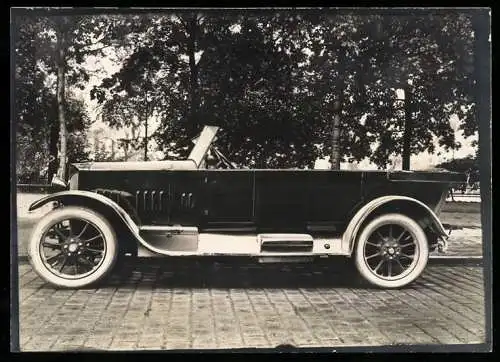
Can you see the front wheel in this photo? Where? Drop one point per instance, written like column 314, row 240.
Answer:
column 73, row 247
column 392, row 251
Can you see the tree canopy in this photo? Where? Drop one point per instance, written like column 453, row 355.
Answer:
column 36, row 105
column 285, row 87
column 275, row 83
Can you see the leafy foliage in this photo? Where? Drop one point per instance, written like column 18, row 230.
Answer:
column 286, row 88
column 429, row 67
column 36, row 105
column 271, row 97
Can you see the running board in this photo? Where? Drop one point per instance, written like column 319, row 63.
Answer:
column 186, row 241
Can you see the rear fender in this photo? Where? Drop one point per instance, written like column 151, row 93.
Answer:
column 122, row 223
column 428, row 221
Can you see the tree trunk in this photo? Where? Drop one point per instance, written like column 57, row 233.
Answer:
column 63, row 133
column 133, row 138
column 335, row 134
column 53, row 141
column 335, row 155
column 125, row 149
column 407, row 132
column 96, row 147
column 193, row 69
column 145, row 137
column 112, row 150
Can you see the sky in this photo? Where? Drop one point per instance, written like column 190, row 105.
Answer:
column 101, row 67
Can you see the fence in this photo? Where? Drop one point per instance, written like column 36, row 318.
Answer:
column 471, row 194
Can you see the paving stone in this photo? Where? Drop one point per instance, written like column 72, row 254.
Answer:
column 118, row 344
column 444, row 306
column 98, row 342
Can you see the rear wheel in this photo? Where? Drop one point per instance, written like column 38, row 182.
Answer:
column 73, row 247
column 392, row 251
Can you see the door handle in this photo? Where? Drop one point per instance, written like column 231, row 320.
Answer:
column 183, row 198
column 190, row 196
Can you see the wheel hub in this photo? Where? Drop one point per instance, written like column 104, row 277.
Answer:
column 390, row 250
column 73, row 247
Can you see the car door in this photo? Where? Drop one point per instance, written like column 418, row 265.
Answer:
column 228, row 200
column 331, row 196
column 281, row 200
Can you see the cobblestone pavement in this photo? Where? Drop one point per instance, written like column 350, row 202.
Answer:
column 177, row 305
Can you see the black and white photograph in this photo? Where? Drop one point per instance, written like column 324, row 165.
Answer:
column 266, row 179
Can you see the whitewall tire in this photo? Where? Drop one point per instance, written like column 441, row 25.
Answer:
column 391, row 251
column 73, row 247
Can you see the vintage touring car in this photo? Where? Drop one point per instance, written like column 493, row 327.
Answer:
column 387, row 221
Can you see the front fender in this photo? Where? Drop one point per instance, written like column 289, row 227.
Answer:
column 354, row 225
column 119, row 217
column 82, row 198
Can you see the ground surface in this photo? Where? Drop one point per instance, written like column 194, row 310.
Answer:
column 184, row 305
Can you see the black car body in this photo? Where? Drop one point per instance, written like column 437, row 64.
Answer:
column 183, row 208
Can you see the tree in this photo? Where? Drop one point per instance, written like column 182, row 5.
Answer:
column 32, row 101
column 278, row 81
column 416, row 49
column 132, row 113
column 251, row 77
column 341, row 76
column 261, row 98
column 73, row 38
column 36, row 106
column 138, row 92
